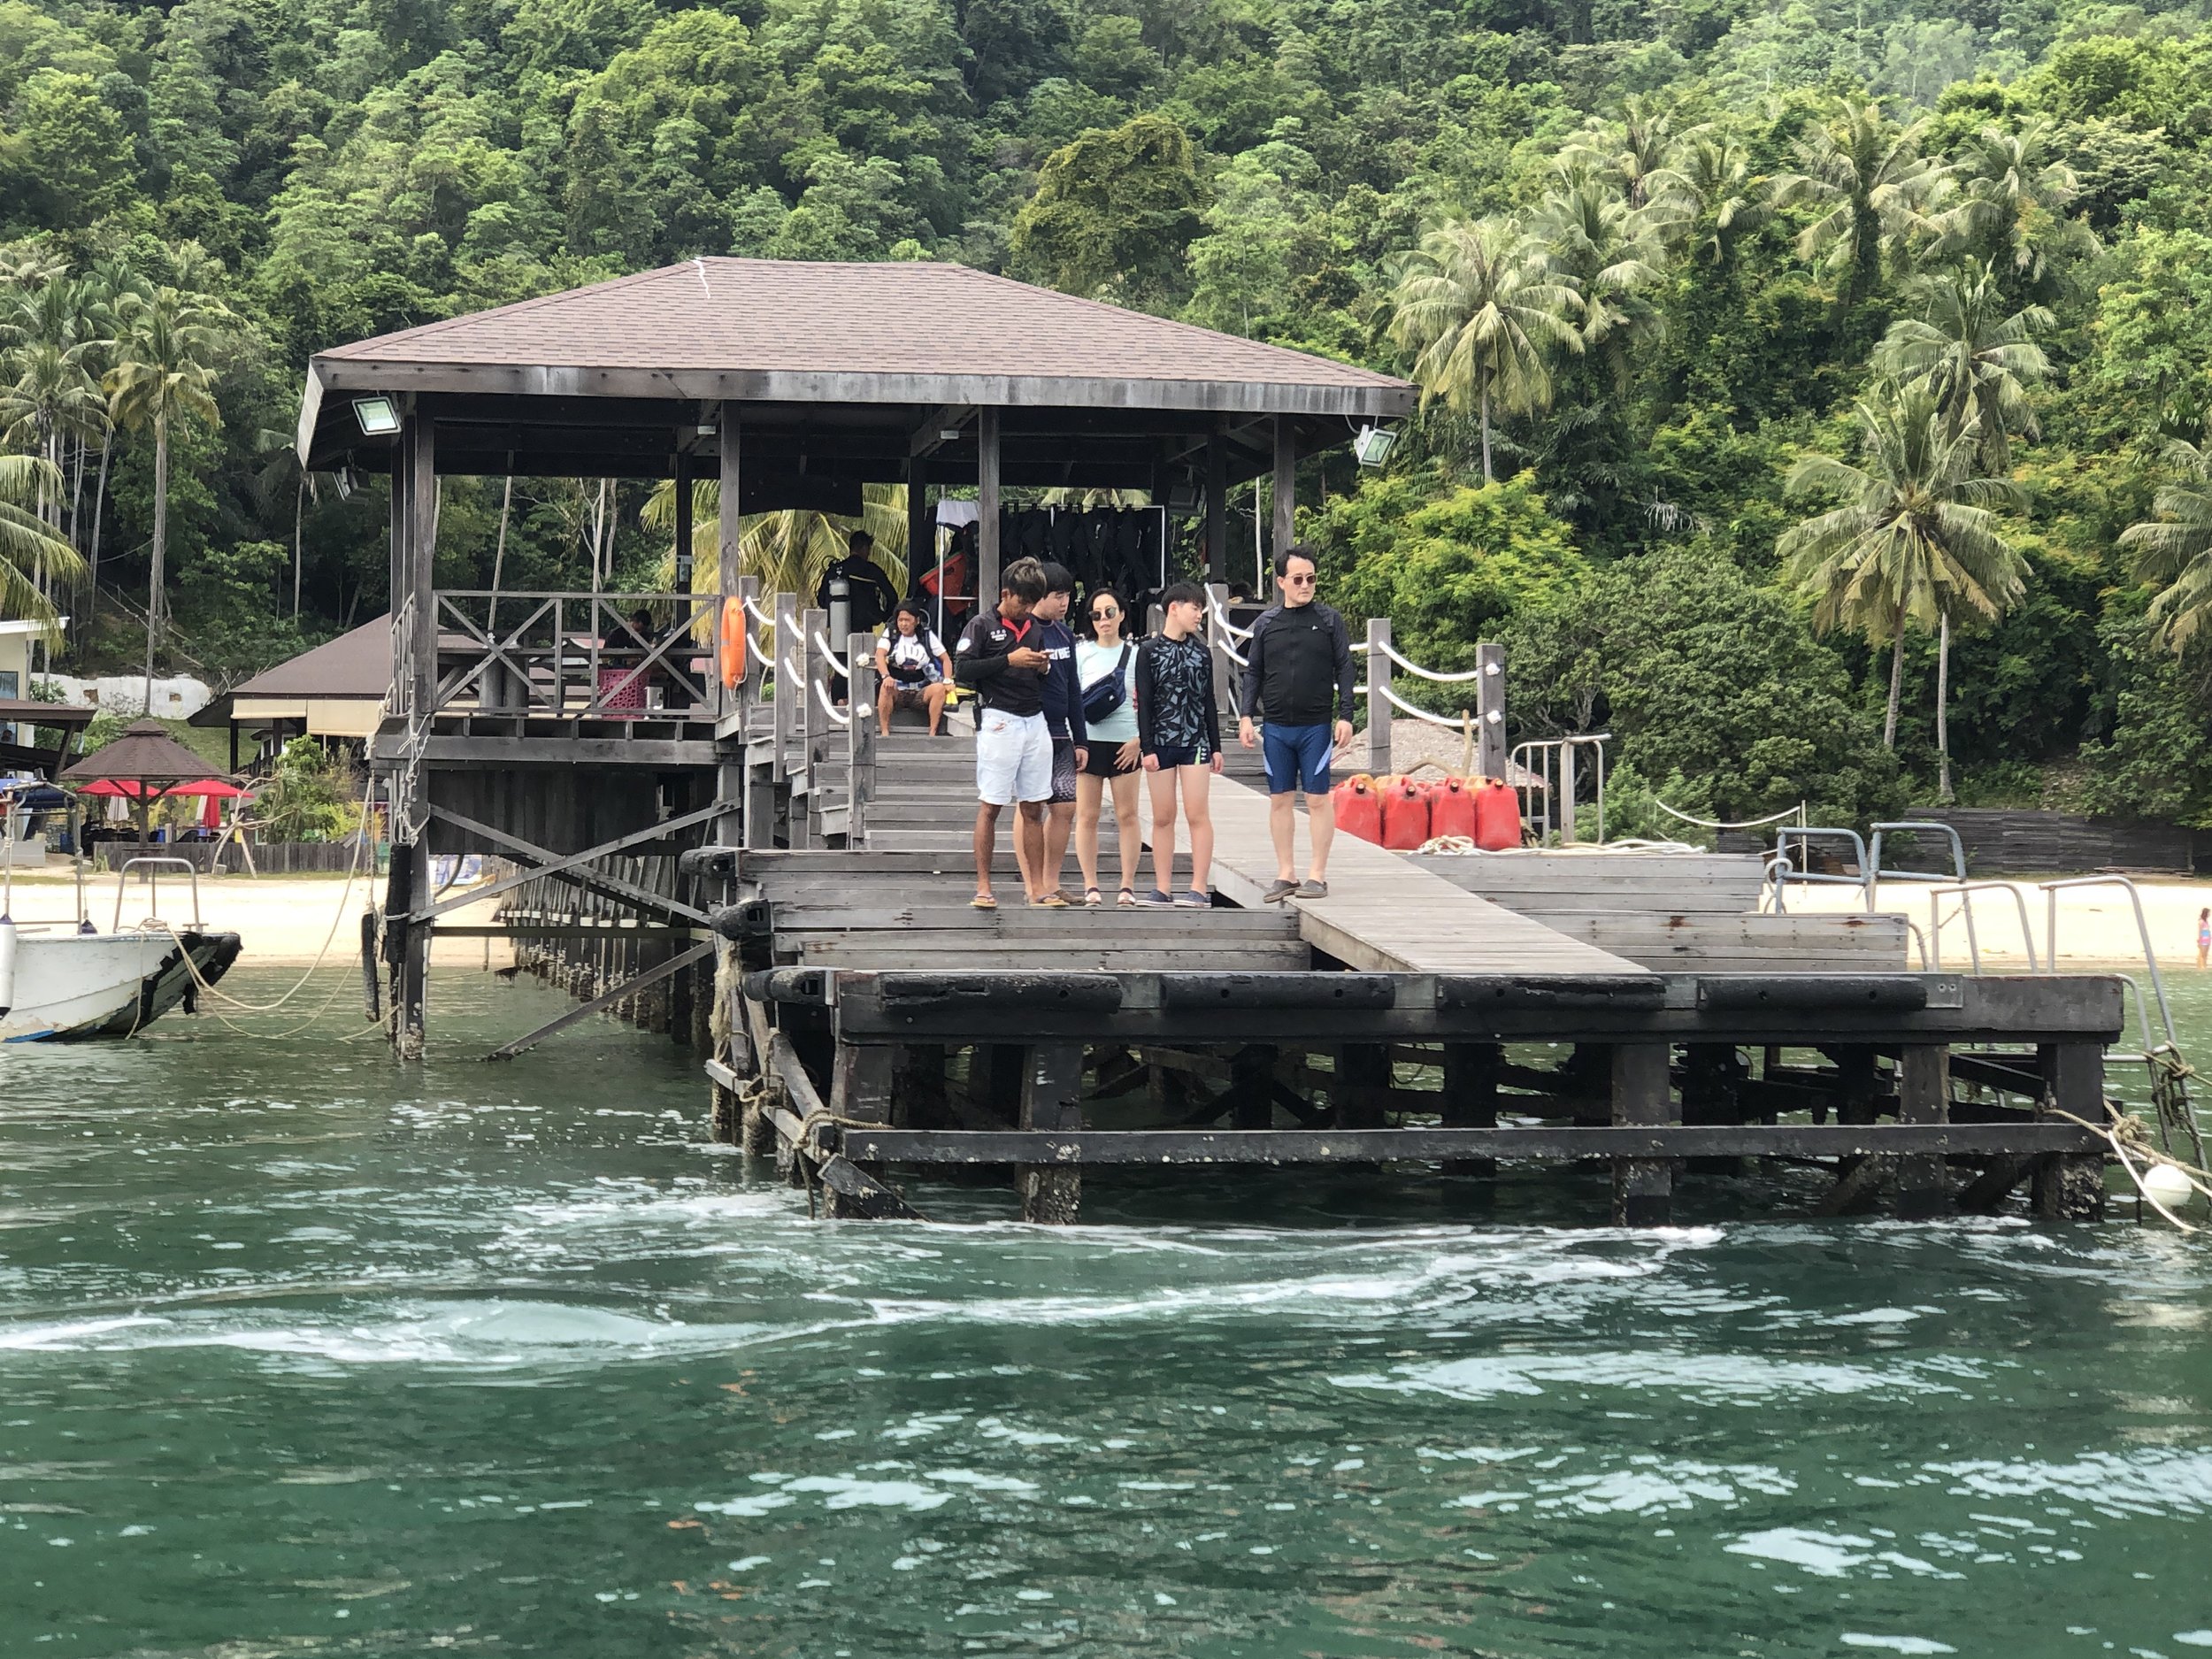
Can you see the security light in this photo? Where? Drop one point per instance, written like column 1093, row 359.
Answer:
column 378, row 417
column 1373, row 445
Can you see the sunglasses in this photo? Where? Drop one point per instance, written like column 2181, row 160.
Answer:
column 1104, row 612
column 1307, row 581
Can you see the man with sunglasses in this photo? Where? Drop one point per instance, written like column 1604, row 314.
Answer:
column 1298, row 670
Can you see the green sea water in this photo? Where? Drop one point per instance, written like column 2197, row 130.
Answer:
column 304, row 1353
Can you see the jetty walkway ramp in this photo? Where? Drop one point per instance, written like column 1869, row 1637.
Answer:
column 1386, row 914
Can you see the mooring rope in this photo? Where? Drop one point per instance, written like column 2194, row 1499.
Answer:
column 2125, row 1132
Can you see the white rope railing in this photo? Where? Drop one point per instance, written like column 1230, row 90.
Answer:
column 1715, row 824
column 822, row 697
column 821, row 644
column 1222, row 616
column 1403, row 707
column 1387, row 650
column 758, row 615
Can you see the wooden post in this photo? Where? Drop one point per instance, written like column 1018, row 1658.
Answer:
column 418, row 458
column 1470, row 1099
column 1643, row 1189
column 1216, row 507
column 1378, row 705
column 860, row 735
column 1490, row 755
column 1285, row 487
column 815, row 686
column 921, row 523
column 2069, row 1186
column 1564, row 813
column 1252, row 1086
column 1363, row 1076
column 987, row 486
column 790, row 683
column 1052, row 1098
column 684, row 560
column 860, row 1091
column 1228, row 678
column 1924, row 1096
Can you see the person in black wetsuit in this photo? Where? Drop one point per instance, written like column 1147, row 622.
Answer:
column 869, row 593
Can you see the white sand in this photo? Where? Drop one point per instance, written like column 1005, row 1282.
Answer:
column 2096, row 926
column 283, row 920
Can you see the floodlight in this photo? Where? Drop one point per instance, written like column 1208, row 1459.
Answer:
column 1373, row 445
column 378, row 416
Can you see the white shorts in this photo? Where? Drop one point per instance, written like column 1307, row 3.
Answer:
column 1013, row 758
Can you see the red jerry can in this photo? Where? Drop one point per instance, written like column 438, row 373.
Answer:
column 1358, row 812
column 1497, row 815
column 1452, row 808
column 1405, row 815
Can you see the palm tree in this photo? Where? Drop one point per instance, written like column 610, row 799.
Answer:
column 105, row 283
column 788, row 551
column 1972, row 353
column 2177, row 550
column 2018, row 190
column 1914, row 539
column 164, row 373
column 1710, row 197
column 33, row 555
column 1873, row 186
column 1611, row 253
column 1635, row 152
column 1483, row 311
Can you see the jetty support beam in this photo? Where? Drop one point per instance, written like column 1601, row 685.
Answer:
column 1643, row 1189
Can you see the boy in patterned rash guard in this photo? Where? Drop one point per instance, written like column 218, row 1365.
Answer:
column 1178, row 731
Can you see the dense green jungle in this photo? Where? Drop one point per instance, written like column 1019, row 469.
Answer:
column 1815, row 394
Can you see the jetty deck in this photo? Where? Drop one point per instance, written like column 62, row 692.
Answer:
column 744, row 857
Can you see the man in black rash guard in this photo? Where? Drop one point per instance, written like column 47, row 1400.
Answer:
column 998, row 659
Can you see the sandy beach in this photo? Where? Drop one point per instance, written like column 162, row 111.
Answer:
column 285, row 921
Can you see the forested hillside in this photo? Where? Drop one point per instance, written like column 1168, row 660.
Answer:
column 1768, row 344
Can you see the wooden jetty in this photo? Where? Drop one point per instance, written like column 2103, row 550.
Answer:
column 747, row 866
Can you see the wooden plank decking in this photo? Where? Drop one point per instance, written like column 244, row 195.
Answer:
column 1384, row 914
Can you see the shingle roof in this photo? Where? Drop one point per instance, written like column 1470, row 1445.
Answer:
column 787, row 317
column 355, row 665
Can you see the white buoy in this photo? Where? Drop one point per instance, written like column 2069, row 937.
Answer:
column 2169, row 1186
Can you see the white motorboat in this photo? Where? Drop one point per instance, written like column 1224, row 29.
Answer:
column 58, row 983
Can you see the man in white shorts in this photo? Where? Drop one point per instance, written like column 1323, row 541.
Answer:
column 997, row 658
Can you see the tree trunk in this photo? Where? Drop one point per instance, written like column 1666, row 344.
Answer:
column 1943, row 720
column 299, row 546
column 161, row 549
column 99, row 499
column 1488, row 476
column 1896, row 682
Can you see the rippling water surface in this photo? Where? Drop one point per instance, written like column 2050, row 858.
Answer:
column 301, row 1352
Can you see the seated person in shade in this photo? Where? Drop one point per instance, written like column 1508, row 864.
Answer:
column 914, row 667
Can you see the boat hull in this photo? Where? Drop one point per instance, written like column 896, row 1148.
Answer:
column 73, row 985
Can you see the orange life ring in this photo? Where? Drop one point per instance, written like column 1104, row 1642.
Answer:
column 733, row 642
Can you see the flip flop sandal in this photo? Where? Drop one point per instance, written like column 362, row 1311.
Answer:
column 1127, row 901
column 1091, row 899
column 983, row 901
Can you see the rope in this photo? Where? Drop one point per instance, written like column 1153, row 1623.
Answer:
column 1222, row 616
column 828, row 655
column 759, row 616
column 1714, row 824
column 2126, row 1132
column 2169, row 1094
column 822, row 697
column 1403, row 707
column 1411, row 667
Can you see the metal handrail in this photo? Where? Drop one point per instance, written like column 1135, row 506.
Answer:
column 1548, row 747
column 1805, row 833
column 2051, row 890
column 1958, row 853
column 153, row 863
column 1966, row 891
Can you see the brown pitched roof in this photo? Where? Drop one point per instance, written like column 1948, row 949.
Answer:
column 806, row 317
column 355, row 665
column 144, row 754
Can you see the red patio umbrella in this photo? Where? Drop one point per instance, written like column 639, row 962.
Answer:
column 144, row 765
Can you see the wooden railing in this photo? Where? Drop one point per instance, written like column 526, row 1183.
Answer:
column 570, row 655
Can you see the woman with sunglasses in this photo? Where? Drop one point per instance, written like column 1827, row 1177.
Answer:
column 1106, row 668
